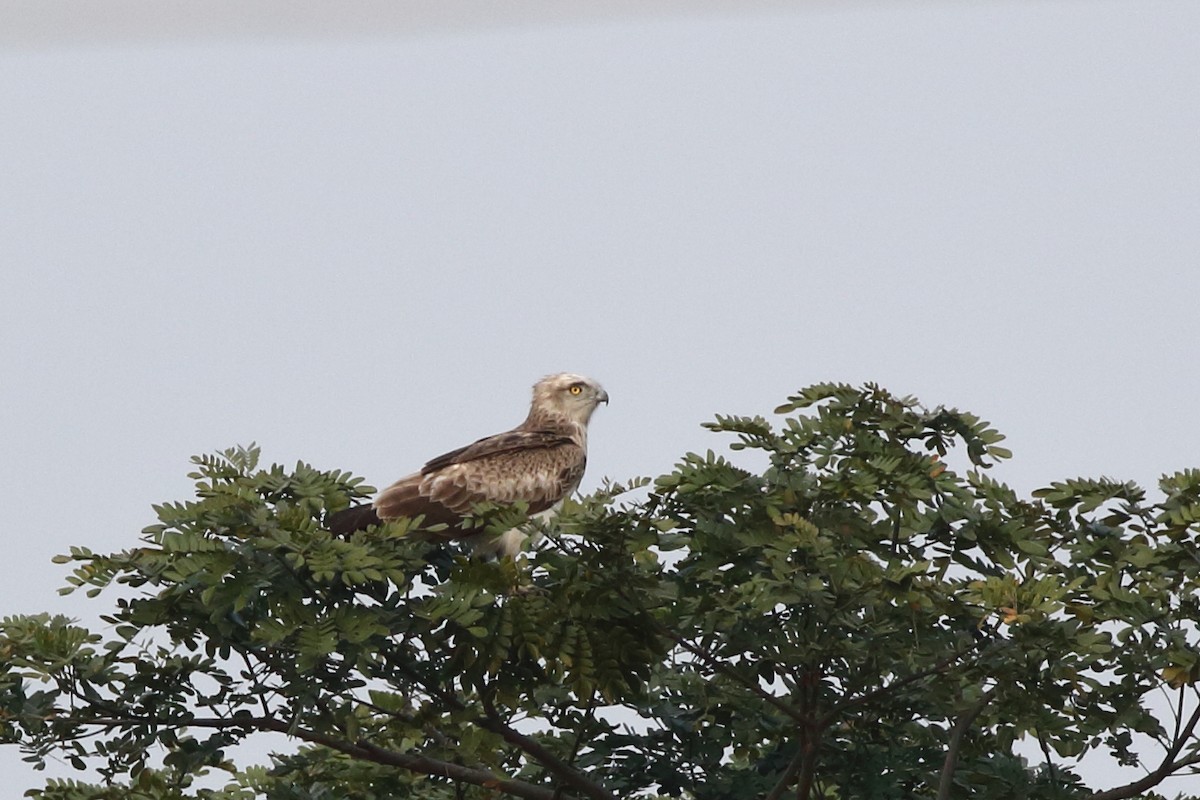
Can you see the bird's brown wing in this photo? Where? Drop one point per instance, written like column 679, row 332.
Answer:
column 538, row 468
column 349, row 520
column 508, row 442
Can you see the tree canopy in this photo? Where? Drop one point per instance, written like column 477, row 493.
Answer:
column 871, row 615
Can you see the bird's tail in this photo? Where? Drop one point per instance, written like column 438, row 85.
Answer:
column 349, row 520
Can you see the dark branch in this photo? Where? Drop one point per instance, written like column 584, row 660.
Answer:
column 533, row 748
column 717, row 665
column 1171, row 763
column 361, row 749
column 788, row 777
column 954, row 746
column 896, row 685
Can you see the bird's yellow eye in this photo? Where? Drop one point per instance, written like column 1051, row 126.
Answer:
column 576, row 388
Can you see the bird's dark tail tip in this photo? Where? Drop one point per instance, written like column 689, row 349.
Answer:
column 349, row 520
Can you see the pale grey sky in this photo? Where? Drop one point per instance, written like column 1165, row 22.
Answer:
column 359, row 244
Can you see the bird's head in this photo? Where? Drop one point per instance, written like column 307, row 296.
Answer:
column 567, row 395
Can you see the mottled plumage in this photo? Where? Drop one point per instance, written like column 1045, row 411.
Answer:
column 539, row 462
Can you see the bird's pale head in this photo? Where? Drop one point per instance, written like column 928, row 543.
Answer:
column 567, row 395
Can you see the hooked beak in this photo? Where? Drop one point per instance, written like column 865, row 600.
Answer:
column 602, row 397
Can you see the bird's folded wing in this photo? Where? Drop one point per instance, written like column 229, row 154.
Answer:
column 537, row 468
column 509, row 442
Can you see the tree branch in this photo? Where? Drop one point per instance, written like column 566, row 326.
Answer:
column 788, row 777
column 954, row 745
column 533, row 748
column 1169, row 766
column 1151, row 780
column 899, row 683
column 721, row 667
column 1051, row 770
column 588, row 717
column 494, row 723
column 361, row 749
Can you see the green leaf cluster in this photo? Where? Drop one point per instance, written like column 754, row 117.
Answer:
column 870, row 615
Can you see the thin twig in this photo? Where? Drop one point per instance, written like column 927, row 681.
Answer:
column 1178, row 714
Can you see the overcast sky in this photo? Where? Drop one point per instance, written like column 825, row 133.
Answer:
column 359, row 245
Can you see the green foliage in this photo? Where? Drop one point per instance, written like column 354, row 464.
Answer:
column 871, row 616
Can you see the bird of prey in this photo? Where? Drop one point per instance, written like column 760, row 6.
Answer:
column 539, row 462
